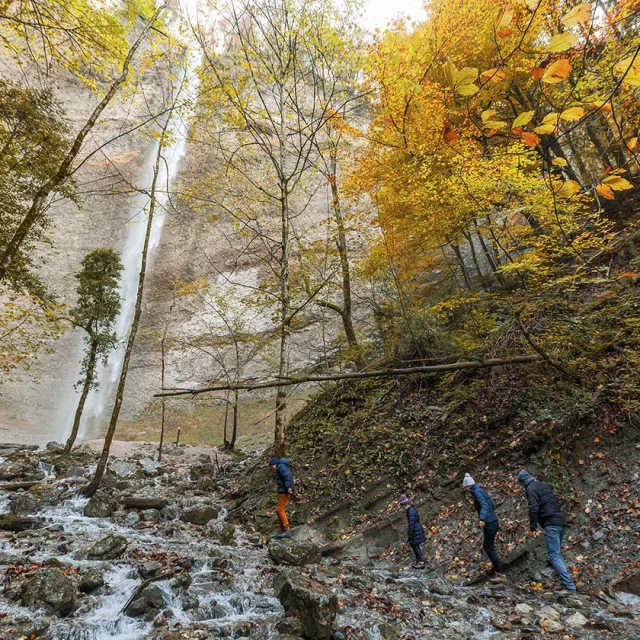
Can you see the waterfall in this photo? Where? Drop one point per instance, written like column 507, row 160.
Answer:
column 100, row 401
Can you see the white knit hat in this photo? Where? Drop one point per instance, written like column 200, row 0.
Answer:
column 468, row 481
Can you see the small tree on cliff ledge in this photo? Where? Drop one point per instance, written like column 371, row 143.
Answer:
column 96, row 311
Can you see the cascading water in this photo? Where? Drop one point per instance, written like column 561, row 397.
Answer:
column 99, row 402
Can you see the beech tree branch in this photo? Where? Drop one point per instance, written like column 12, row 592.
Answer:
column 382, row 373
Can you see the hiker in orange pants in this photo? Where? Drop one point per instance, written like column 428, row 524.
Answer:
column 286, row 487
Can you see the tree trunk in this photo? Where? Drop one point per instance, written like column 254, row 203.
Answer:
column 234, row 432
column 285, row 320
column 91, row 368
column 341, row 243
column 92, row 487
column 64, row 170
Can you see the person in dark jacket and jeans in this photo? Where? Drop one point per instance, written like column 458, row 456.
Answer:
column 545, row 510
column 488, row 521
column 415, row 533
column 286, row 488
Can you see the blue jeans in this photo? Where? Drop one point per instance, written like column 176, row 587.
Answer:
column 554, row 536
column 488, row 546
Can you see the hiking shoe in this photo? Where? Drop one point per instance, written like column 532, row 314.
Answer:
column 284, row 534
column 498, row 578
column 418, row 565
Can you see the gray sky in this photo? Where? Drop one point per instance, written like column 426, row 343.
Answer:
column 378, row 12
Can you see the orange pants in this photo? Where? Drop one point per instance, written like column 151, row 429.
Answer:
column 283, row 501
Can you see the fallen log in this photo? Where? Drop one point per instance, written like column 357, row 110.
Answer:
column 135, row 502
column 140, row 588
column 14, row 486
column 356, row 375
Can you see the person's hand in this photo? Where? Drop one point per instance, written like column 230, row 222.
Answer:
column 289, row 490
column 481, row 523
column 534, row 533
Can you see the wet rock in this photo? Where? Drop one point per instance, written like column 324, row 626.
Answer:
column 23, row 504
column 501, row 622
column 132, row 518
column 77, row 472
column 150, row 467
column 598, row 535
column 121, row 468
column 149, row 601
column 552, row 626
column 54, row 562
column 440, row 587
column 150, row 515
column 150, row 569
column 201, row 514
column 108, row 548
column 382, row 630
column 294, row 552
column 101, row 505
column 577, row 620
column 289, row 627
column 12, row 522
column 523, row 609
column 205, row 484
column 8, row 558
column 631, row 584
column 309, row 602
column 21, row 466
column 190, row 603
column 220, row 531
column 90, row 580
column 51, row 590
column 549, row 613
column 204, row 470
column 181, row 581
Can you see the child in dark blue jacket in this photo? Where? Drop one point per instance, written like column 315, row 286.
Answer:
column 416, row 534
column 488, row 521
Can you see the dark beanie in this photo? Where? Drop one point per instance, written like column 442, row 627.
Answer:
column 273, row 460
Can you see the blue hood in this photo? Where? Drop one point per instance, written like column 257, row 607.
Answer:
column 525, row 478
column 284, row 461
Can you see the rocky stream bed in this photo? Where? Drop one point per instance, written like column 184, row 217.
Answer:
column 153, row 555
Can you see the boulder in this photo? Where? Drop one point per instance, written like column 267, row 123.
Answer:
column 200, row 514
column 108, row 548
column 220, row 531
column 630, row 584
column 150, row 467
column 205, row 484
column 577, row 620
column 150, row 569
column 149, row 599
column 121, row 468
column 90, row 580
column 440, row 587
column 204, row 470
column 23, row 504
column 289, row 627
column 51, row 590
column 21, row 465
column 309, row 602
column 12, row 522
column 132, row 518
column 296, row 553
column 101, row 505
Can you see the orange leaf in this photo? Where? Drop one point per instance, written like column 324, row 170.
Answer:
column 605, row 191
column 506, row 32
column 557, row 71
column 629, row 274
column 449, row 134
column 530, row 139
column 537, row 72
column 518, row 130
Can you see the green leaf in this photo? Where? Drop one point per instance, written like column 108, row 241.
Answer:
column 562, row 42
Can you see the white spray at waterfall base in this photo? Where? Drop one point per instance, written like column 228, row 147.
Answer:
column 99, row 402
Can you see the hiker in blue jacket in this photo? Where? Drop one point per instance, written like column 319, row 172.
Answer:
column 286, row 488
column 488, row 521
column 415, row 533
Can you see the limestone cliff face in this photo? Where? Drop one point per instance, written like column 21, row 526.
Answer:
column 191, row 248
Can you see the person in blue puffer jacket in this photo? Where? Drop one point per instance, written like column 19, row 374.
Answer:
column 286, row 489
column 488, row 521
column 415, row 533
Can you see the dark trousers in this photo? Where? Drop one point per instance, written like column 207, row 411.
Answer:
column 489, row 547
column 417, row 552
